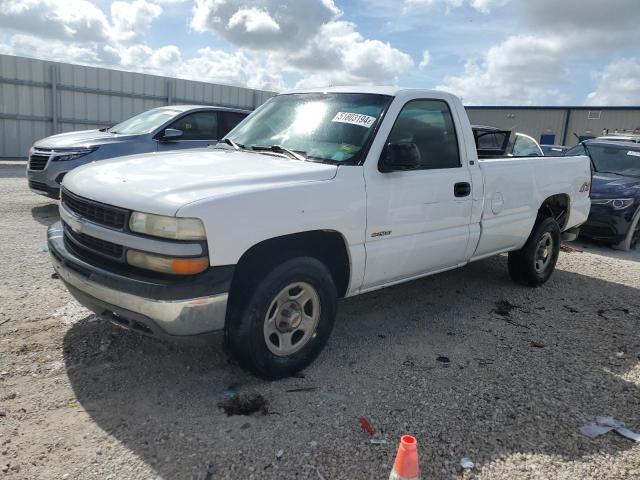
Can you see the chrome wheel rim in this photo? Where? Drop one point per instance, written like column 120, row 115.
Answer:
column 544, row 252
column 291, row 319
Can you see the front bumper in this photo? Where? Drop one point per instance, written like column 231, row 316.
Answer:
column 118, row 298
column 608, row 225
column 47, row 179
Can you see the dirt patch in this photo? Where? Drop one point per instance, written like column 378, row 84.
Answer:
column 245, row 404
column 504, row 308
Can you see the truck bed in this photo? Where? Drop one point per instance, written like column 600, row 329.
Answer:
column 510, row 204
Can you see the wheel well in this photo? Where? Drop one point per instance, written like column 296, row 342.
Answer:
column 557, row 207
column 326, row 245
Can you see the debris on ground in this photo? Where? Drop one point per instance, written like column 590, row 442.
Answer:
column 504, row 308
column 301, row 389
column 378, row 440
column 336, row 397
column 231, row 391
column 245, row 404
column 211, row 469
column 605, row 424
column 442, row 359
column 466, row 463
column 537, row 344
column 566, row 248
column 366, row 426
column 55, row 275
column 279, row 454
column 603, row 312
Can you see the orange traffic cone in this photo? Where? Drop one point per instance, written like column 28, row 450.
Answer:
column 406, row 465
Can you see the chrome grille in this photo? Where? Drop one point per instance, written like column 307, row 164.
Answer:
column 100, row 213
column 38, row 161
column 87, row 244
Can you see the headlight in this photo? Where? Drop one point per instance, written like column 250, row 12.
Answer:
column 616, row 203
column 174, row 266
column 177, row 228
column 72, row 154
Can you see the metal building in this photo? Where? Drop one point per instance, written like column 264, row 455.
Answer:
column 559, row 125
column 39, row 98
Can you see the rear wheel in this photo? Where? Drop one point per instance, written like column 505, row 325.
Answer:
column 286, row 320
column 534, row 263
column 632, row 239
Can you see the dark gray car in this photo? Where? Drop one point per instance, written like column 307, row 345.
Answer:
column 165, row 128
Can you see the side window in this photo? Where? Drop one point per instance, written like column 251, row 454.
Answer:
column 429, row 125
column 198, row 126
column 575, row 151
column 228, row 121
column 526, row 147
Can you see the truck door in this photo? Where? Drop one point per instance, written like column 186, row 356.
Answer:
column 199, row 129
column 418, row 218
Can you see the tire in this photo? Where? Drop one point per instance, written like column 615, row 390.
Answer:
column 263, row 335
column 534, row 263
column 632, row 238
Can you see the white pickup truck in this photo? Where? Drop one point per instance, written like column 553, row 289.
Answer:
column 317, row 195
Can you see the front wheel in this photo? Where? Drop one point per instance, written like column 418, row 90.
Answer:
column 534, row 263
column 286, row 321
column 632, row 238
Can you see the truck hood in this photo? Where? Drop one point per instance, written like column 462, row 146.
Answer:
column 610, row 185
column 83, row 138
column 162, row 183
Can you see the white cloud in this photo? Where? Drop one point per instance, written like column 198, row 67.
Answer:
column 237, row 68
column 297, row 21
column 426, row 60
column 79, row 21
column 76, row 20
column 483, row 6
column 521, row 70
column 253, row 21
column 531, row 69
column 618, row 84
column 30, row 46
column 131, row 21
column 304, row 38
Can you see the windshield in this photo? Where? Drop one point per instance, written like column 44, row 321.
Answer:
column 613, row 159
column 145, row 122
column 331, row 127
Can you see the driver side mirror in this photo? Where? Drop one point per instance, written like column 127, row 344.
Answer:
column 399, row 156
column 171, row 134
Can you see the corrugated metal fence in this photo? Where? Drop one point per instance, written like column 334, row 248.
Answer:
column 40, row 98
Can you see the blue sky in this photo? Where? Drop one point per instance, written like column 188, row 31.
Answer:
column 525, row 52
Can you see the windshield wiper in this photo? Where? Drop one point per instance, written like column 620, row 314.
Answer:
column 280, row 149
column 236, row 146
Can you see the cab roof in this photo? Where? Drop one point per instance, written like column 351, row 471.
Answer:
column 185, row 108
column 379, row 90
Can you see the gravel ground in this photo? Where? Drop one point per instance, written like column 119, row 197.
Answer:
column 80, row 398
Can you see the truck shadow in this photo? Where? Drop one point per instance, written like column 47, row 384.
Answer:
column 441, row 357
column 46, row 214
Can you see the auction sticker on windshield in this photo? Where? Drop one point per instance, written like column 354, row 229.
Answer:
column 354, row 119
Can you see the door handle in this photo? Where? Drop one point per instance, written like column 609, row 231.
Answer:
column 462, row 189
